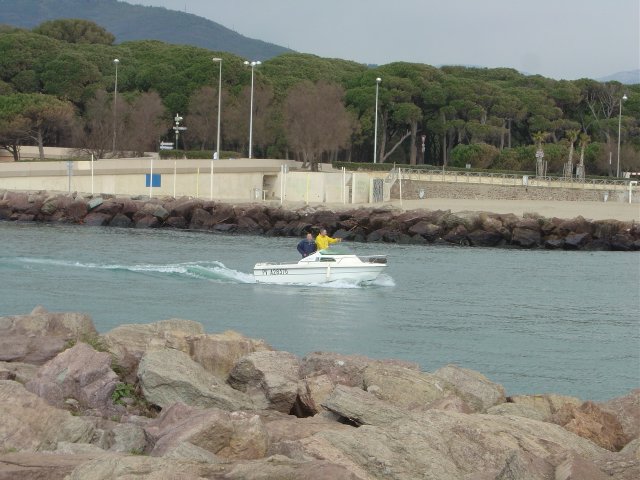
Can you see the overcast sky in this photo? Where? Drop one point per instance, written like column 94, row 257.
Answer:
column 556, row 38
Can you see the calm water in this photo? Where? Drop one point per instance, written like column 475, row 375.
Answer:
column 534, row 321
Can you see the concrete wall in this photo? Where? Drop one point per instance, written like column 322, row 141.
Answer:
column 411, row 191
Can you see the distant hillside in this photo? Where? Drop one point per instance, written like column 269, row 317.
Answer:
column 632, row 77
column 135, row 22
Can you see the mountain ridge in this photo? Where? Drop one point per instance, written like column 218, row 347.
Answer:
column 130, row 22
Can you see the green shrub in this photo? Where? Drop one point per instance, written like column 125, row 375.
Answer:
column 123, row 390
column 478, row 155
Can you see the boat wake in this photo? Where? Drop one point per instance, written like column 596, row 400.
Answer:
column 205, row 270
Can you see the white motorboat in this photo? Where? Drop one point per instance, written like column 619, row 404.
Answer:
column 329, row 265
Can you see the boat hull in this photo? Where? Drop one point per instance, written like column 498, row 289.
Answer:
column 315, row 273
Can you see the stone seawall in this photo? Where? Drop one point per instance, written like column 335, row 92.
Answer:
column 411, row 191
column 481, row 229
column 169, row 400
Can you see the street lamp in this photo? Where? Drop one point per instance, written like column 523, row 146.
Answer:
column 624, row 97
column 219, row 60
column 115, row 100
column 375, row 128
column 252, row 65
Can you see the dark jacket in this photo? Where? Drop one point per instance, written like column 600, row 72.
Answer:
column 306, row 247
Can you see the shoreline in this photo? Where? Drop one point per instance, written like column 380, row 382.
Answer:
column 567, row 225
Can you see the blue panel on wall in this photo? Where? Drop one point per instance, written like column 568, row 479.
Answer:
column 156, row 180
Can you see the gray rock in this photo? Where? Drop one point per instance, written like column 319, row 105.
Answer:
column 28, row 423
column 478, row 391
column 95, row 202
column 78, row 373
column 97, row 219
column 525, row 237
column 404, row 387
column 229, row 435
column 127, row 343
column 627, row 410
column 121, row 221
column 168, row 376
column 519, row 410
column 128, row 438
column 270, row 378
column 440, row 445
column 40, row 336
column 188, row 451
column 42, row 466
column 20, row 372
column 362, row 408
column 218, row 353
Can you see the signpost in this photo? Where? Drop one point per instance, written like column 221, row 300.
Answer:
column 177, row 128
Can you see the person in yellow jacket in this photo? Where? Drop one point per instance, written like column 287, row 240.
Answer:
column 323, row 240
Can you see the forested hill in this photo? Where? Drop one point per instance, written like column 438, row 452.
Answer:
column 135, row 22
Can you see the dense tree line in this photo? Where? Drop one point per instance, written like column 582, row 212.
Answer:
column 57, row 88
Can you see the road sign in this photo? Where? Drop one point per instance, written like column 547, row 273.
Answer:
column 180, row 128
column 539, row 153
column 166, row 147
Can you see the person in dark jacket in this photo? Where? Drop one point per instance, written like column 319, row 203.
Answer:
column 307, row 246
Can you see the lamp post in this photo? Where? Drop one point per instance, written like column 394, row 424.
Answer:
column 219, row 60
column 252, row 65
column 624, row 97
column 375, row 128
column 115, row 104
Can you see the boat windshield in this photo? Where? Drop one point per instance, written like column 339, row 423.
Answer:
column 336, row 249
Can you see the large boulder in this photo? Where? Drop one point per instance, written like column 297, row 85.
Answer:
column 168, row 376
column 517, row 409
column 525, row 237
column 269, row 377
column 42, row 466
column 41, row 335
column 218, row 353
column 403, row 386
column 127, row 343
column 275, row 467
column 28, row 423
column 442, row 445
column 591, row 422
column 312, row 391
column 18, row 371
column 547, row 405
column 79, row 373
column 361, row 408
column 626, row 409
column 344, row 369
column 478, row 391
column 230, row 435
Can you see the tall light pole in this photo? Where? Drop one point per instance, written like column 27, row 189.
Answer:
column 624, row 97
column 252, row 65
column 115, row 103
column 219, row 60
column 375, row 128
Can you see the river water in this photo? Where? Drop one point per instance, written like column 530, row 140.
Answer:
column 533, row 321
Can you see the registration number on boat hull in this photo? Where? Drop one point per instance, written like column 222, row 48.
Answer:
column 275, row 271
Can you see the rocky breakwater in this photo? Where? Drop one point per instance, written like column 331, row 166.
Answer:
column 167, row 400
column 384, row 224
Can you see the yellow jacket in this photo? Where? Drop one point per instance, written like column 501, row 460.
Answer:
column 323, row 241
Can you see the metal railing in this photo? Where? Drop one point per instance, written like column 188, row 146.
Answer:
column 504, row 179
